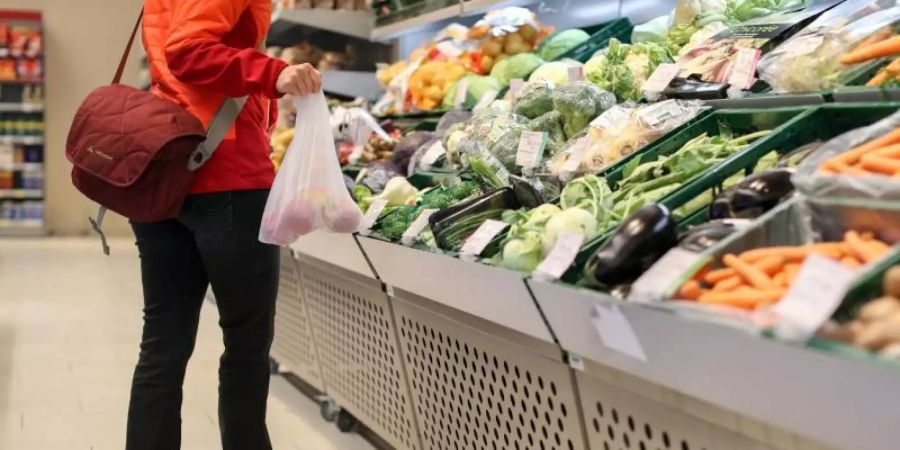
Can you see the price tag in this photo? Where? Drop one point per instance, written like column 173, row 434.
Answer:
column 616, row 332
column 416, row 228
column 531, row 149
column 743, row 70
column 813, row 297
column 612, row 116
column 477, row 241
column 576, row 73
column 486, row 100
column 659, row 112
column 515, row 86
column 660, row 79
column 655, row 282
column 433, row 153
column 462, row 90
column 375, row 209
column 560, row 257
column 576, row 154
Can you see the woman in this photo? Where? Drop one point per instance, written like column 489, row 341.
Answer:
column 200, row 52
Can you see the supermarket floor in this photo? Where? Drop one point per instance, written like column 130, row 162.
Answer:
column 69, row 326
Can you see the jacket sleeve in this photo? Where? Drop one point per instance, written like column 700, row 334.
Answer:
column 196, row 55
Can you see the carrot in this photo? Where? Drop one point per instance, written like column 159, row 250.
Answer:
column 887, row 47
column 729, row 284
column 830, row 249
column 715, row 276
column 852, row 156
column 867, row 235
column 790, row 271
column 836, row 166
column 889, row 151
column 744, row 298
column 780, row 279
column 878, row 164
column 754, row 276
column 879, row 248
column 851, row 262
column 875, row 37
column 770, row 265
column 885, row 74
column 859, row 248
column 690, row 290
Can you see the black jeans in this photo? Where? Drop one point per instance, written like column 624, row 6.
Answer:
column 213, row 242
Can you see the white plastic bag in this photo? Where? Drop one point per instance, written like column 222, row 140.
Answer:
column 309, row 191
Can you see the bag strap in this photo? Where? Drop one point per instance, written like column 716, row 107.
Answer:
column 121, row 70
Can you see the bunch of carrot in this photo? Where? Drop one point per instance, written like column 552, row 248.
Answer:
column 883, row 43
column 887, row 74
column 760, row 277
column 878, row 156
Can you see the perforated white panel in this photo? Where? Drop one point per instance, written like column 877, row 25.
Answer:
column 360, row 360
column 474, row 391
column 618, row 419
column 293, row 346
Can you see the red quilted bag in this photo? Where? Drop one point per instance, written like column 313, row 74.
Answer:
column 135, row 153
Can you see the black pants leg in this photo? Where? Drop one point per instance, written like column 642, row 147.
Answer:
column 224, row 248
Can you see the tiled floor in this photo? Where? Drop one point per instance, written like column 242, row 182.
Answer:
column 69, row 326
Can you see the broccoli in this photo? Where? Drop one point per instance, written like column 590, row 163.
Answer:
column 394, row 224
column 550, row 123
column 536, row 100
column 579, row 103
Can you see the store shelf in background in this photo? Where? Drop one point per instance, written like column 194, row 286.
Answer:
column 21, row 228
column 351, row 84
column 23, row 140
column 21, row 107
column 352, row 23
column 36, row 81
column 840, row 402
column 417, row 22
column 21, row 194
column 24, row 166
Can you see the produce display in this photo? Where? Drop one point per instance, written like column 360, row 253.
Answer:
column 394, row 224
column 876, row 325
column 623, row 68
column 880, row 156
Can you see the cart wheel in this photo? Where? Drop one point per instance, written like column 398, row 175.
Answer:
column 345, row 421
column 273, row 367
column 329, row 410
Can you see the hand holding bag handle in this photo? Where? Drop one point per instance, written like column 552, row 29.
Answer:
column 215, row 134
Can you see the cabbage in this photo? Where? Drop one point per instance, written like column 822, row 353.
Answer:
column 520, row 66
column 573, row 220
column 499, row 71
column 623, row 68
column 556, row 72
column 557, row 44
column 478, row 86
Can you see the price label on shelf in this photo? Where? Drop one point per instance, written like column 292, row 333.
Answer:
column 531, row 149
column 433, row 153
column 515, row 86
column 462, row 90
column 743, row 71
column 477, row 241
column 416, row 228
column 375, row 209
column 616, row 331
column 660, row 78
column 560, row 257
column 486, row 99
column 815, row 294
column 576, row 73
column 656, row 113
column 659, row 278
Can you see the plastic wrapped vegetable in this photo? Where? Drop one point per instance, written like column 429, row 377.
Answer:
column 477, row 86
column 377, row 174
column 431, row 81
column 623, row 68
column 552, row 124
column 407, row 146
column 536, row 99
column 579, row 103
column 449, row 119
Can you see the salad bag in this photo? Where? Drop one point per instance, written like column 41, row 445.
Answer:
column 309, row 191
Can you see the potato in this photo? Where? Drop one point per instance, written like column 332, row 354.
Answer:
column 892, row 282
column 879, row 334
column 878, row 309
column 492, row 47
column 527, row 32
column 515, row 44
column 891, row 351
column 487, row 63
column 835, row 331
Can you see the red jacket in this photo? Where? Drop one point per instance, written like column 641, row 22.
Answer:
column 202, row 51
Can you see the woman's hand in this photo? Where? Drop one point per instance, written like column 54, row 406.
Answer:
column 300, row 79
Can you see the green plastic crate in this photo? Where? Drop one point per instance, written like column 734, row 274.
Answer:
column 600, row 36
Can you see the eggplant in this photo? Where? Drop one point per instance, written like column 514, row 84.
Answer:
column 638, row 242
column 498, row 200
column 702, row 237
column 753, row 196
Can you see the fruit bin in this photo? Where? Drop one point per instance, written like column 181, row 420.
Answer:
column 339, row 249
